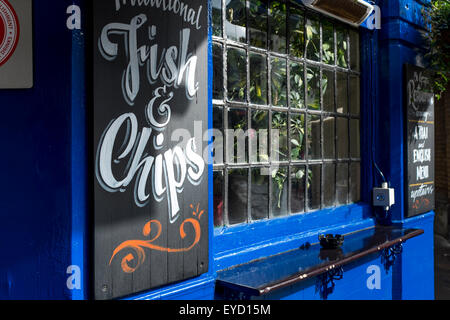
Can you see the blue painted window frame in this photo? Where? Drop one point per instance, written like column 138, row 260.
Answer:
column 233, row 245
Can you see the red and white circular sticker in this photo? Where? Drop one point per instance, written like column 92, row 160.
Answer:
column 9, row 31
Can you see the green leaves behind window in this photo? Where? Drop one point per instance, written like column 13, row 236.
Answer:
column 237, row 75
column 257, row 23
column 236, row 134
column 258, row 78
column 298, row 189
column 297, row 92
column 297, row 131
column 279, row 82
column 279, row 191
column 235, row 20
column 312, row 39
column 278, row 26
column 342, row 47
column 296, row 31
column 313, row 92
column 314, row 137
column 328, row 42
column 280, row 147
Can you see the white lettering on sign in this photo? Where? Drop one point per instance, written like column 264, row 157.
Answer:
column 417, row 96
column 167, row 172
column 422, row 172
column 176, row 7
column 74, row 20
column 421, row 155
column 421, row 133
column 173, row 66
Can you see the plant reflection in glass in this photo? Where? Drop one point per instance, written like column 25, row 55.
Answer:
column 237, row 79
column 279, row 82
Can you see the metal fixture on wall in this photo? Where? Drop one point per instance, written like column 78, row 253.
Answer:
column 353, row 12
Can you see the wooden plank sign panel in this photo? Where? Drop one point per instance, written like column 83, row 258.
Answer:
column 420, row 119
column 150, row 100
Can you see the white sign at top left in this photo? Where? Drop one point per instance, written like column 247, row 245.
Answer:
column 16, row 44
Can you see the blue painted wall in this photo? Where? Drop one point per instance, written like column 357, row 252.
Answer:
column 35, row 131
column 44, row 195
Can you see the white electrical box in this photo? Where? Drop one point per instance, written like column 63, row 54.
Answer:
column 384, row 196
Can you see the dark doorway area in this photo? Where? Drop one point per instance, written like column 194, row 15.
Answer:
column 442, row 217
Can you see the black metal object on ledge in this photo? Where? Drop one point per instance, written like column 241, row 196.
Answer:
column 263, row 276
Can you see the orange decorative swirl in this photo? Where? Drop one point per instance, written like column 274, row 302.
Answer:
column 138, row 245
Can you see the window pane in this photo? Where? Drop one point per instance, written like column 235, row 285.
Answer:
column 260, row 194
column 298, row 189
column 296, row 31
column 218, row 198
column 314, row 137
column 235, row 23
column 257, row 23
column 297, row 97
column 258, row 78
column 217, row 71
column 354, row 50
column 237, row 195
column 355, row 176
column 342, row 183
column 328, row 42
column 355, row 95
column 218, row 137
column 278, row 26
column 279, row 136
column 314, row 183
column 279, row 191
column 236, row 136
column 313, row 93
column 342, row 93
column 297, row 129
column 328, row 90
column 329, row 134
column 279, row 82
column 342, row 138
column 217, row 18
column 237, row 75
column 329, row 185
column 342, row 47
column 259, row 136
column 312, row 39
column 355, row 139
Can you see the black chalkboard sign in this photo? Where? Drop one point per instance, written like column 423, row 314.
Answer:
column 420, row 119
column 150, row 106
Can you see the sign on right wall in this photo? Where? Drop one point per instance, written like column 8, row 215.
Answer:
column 420, row 120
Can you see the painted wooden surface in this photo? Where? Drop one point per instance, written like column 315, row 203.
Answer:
column 419, row 140
column 150, row 100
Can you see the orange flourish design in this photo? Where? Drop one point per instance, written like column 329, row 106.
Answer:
column 138, row 245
